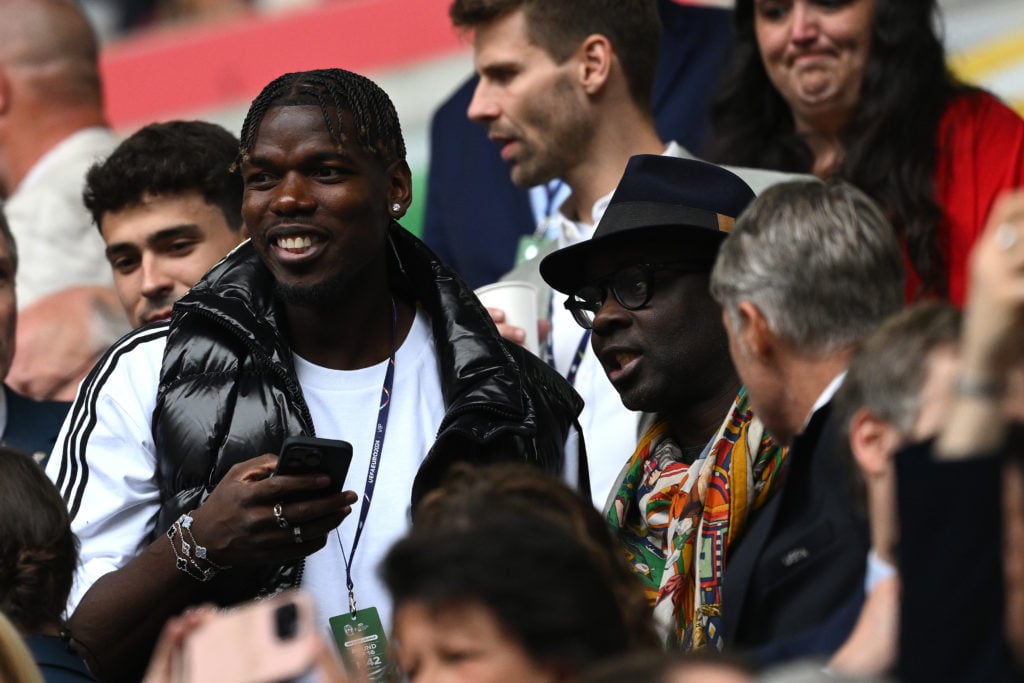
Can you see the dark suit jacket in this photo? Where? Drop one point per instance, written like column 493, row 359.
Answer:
column 803, row 557
column 32, row 426
column 951, row 565
column 474, row 215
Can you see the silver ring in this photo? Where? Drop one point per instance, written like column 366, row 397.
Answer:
column 297, row 534
column 279, row 516
column 1006, row 236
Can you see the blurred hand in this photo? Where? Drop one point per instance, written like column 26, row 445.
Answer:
column 166, row 660
column 994, row 320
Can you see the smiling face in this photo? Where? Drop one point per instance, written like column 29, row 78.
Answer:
column 318, row 212
column 460, row 644
column 815, row 52
column 532, row 107
column 161, row 247
column 668, row 353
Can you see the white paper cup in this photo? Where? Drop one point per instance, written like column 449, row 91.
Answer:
column 519, row 301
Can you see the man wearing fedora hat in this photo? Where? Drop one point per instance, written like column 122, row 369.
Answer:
column 640, row 285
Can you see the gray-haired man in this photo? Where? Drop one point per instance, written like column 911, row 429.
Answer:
column 808, row 272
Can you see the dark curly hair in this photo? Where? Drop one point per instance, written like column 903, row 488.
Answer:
column 167, row 159
column 376, row 127
column 38, row 551
column 890, row 149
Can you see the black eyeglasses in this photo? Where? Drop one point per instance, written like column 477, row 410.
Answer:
column 630, row 286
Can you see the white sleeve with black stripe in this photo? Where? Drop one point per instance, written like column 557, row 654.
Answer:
column 104, row 463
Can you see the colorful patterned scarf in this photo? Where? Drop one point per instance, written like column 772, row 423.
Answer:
column 664, row 510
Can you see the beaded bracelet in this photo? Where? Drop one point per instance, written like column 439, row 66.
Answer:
column 183, row 551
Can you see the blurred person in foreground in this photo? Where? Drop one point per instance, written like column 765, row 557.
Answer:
column 472, row 495
column 807, row 273
column 860, row 90
column 38, row 555
column 510, row 598
column 16, row 665
column 962, row 565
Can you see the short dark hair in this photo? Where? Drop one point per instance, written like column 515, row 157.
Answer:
column 633, row 27
column 168, row 159
column 5, row 232
column 538, row 582
column 38, row 551
column 376, row 128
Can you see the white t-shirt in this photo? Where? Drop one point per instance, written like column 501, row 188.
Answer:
column 344, row 405
column 106, row 469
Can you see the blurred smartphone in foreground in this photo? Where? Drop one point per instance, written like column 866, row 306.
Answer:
column 263, row 641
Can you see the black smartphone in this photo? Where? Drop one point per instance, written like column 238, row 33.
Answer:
column 312, row 455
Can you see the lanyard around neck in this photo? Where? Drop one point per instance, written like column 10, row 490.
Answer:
column 375, row 456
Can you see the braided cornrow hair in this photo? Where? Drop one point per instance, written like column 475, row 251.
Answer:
column 335, row 91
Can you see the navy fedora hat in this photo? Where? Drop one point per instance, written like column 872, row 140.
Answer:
column 664, row 199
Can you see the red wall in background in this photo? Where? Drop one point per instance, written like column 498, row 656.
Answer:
column 182, row 70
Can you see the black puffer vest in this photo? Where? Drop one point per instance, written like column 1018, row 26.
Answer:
column 228, row 390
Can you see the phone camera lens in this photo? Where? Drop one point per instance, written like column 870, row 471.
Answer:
column 287, row 621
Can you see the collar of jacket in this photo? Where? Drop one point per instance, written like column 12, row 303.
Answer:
column 478, row 368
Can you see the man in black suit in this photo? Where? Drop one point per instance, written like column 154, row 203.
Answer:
column 808, row 272
column 30, row 426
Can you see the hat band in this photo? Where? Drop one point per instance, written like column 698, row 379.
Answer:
column 629, row 215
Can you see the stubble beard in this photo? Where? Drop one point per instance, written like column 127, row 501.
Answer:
column 323, row 293
column 567, row 127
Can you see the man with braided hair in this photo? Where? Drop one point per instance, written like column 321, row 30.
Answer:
column 330, row 320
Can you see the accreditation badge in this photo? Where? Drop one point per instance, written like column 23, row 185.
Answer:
column 363, row 643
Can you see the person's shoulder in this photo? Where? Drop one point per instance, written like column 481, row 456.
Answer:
column 981, row 110
column 135, row 355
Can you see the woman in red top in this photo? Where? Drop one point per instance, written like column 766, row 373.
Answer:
column 859, row 89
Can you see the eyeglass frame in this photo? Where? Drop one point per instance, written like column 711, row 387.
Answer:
column 579, row 310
